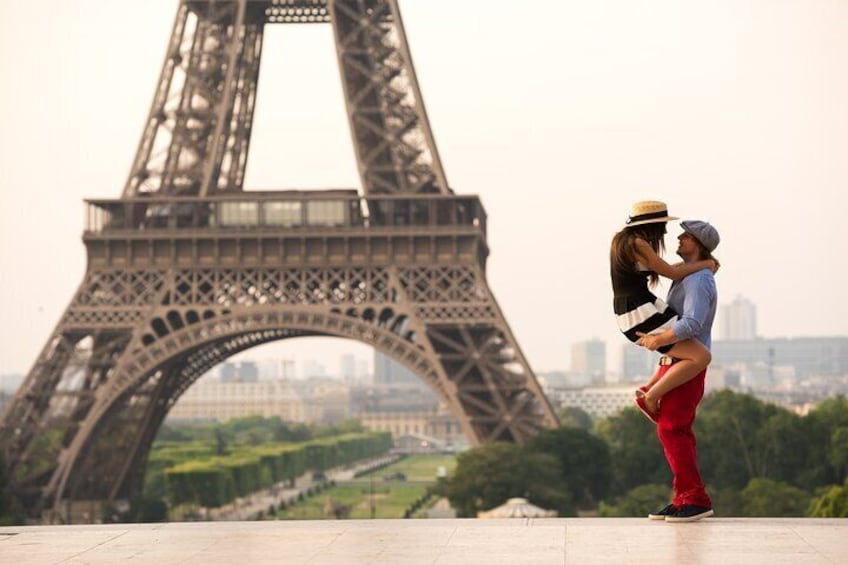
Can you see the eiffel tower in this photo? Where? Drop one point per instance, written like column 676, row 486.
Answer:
column 186, row 269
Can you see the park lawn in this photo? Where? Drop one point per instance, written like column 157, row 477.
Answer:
column 418, row 467
column 390, row 501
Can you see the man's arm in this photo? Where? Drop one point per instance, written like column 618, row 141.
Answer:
column 698, row 296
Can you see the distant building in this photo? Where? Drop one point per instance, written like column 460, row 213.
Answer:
column 11, row 382
column 286, row 369
column 210, row 400
column 738, row 320
column 718, row 379
column 810, row 356
column 637, row 363
column 597, row 401
column 313, row 369
column 554, row 380
column 348, row 366
column 327, row 400
column 362, row 369
column 387, row 371
column 239, row 372
column 435, row 421
column 590, row 358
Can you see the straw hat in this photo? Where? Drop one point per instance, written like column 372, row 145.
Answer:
column 648, row 212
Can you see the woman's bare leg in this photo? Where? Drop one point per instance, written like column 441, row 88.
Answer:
column 652, row 381
column 693, row 358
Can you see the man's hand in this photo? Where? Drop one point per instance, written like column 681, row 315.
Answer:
column 655, row 341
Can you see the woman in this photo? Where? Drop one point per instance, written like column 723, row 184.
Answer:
column 634, row 263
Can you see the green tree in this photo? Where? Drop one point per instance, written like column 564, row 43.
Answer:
column 784, row 449
column 635, row 451
column 730, row 446
column 636, row 502
column 833, row 503
column 726, row 500
column 487, row 476
column 173, row 433
column 220, row 443
column 826, row 465
column 768, row 498
column 584, row 460
column 837, row 454
column 575, row 417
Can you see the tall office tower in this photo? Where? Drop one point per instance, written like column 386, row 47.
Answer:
column 313, row 368
column 228, row 372
column 348, row 367
column 387, row 371
column 739, row 320
column 286, row 371
column 362, row 370
column 590, row 358
column 637, row 362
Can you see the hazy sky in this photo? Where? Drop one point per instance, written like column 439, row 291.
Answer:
column 559, row 115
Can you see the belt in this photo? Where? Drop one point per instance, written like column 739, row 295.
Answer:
column 666, row 360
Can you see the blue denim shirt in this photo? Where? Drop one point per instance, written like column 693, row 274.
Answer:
column 694, row 298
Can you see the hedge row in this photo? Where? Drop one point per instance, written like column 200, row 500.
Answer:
column 215, row 481
column 167, row 455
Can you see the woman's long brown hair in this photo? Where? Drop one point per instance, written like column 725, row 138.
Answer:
column 623, row 248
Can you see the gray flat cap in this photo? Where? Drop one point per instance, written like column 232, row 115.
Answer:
column 703, row 232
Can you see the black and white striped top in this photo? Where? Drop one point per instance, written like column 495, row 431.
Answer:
column 636, row 308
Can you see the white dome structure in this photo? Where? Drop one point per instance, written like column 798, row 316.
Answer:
column 517, row 508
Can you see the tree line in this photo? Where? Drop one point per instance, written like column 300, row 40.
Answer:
column 210, row 464
column 757, row 459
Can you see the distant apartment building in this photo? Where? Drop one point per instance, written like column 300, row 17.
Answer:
column 239, row 372
column 353, row 370
column 807, row 356
column 407, row 409
column 10, row 382
column 738, row 320
column 313, row 369
column 436, row 422
column 348, row 367
column 213, row 400
column 387, row 371
column 328, row 400
column 597, row 401
column 637, row 363
column 590, row 358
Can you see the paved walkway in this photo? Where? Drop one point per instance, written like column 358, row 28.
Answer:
column 723, row 541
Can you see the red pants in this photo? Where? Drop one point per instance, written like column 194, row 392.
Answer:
column 674, row 428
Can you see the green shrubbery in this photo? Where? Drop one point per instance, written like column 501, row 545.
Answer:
column 213, row 481
column 756, row 459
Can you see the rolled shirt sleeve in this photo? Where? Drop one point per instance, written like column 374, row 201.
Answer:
column 698, row 306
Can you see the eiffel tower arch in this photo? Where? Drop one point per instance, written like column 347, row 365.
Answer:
column 186, row 268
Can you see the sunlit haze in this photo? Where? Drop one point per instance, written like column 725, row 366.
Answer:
column 559, row 114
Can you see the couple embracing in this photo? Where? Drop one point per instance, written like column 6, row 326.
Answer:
column 679, row 328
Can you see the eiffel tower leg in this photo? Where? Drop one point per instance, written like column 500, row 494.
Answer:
column 441, row 322
column 396, row 152
column 494, row 391
column 194, row 319
column 197, row 134
column 43, row 417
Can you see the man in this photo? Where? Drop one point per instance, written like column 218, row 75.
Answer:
column 695, row 298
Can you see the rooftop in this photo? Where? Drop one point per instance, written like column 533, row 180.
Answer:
column 723, row 541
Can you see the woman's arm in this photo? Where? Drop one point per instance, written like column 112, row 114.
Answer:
column 674, row 272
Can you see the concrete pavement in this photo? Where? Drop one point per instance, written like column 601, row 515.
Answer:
column 722, row 541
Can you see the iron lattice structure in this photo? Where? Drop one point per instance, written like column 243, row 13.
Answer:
column 187, row 269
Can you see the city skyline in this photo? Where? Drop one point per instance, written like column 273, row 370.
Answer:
column 731, row 114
